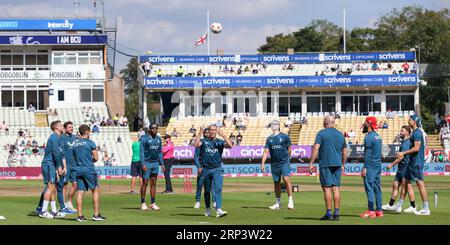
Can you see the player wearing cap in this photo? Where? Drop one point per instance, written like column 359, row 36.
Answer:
column 279, row 147
column 371, row 172
column 416, row 163
column 399, row 180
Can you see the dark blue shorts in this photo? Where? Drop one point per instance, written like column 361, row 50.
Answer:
column 88, row 181
column 71, row 175
column 279, row 171
column 136, row 169
column 330, row 176
column 401, row 173
column 414, row 172
column 152, row 170
column 49, row 173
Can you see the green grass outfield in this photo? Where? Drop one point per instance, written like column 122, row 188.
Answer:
column 245, row 199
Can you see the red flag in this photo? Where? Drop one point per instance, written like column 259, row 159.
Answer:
column 201, row 40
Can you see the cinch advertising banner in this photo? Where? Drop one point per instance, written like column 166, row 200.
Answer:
column 48, row 24
column 239, row 152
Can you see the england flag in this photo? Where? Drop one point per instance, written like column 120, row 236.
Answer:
column 201, row 40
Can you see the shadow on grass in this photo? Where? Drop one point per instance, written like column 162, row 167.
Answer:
column 189, row 215
column 304, row 218
column 253, row 207
column 186, row 207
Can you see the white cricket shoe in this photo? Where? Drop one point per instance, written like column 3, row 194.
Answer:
column 154, row 207
column 410, row 210
column 387, row 207
column 221, row 213
column 144, row 207
column 46, row 215
column 214, row 204
column 276, row 206
column 291, row 205
column 423, row 212
column 208, row 212
column 58, row 215
column 197, row 205
column 397, row 208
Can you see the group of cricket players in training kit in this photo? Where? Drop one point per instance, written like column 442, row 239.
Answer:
column 70, row 159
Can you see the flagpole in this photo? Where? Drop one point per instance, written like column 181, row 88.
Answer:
column 207, row 29
column 345, row 44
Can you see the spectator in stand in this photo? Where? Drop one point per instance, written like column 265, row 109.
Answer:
column 337, row 116
column 31, row 108
column 380, row 125
column 447, row 119
column 304, row 121
column 437, row 122
column 98, row 118
column 414, row 67
column 233, row 138
column 20, row 133
column 35, row 150
column 147, row 67
column 116, row 119
column 95, row 130
column 175, row 133
column 199, row 73
column 23, row 160
column 351, row 134
column 288, row 123
column 375, row 67
column 385, row 125
column 180, row 71
column 192, row 130
column 125, row 121
column 443, row 134
column 106, row 160
column 4, row 127
column 41, row 151
column 92, row 118
column 389, row 66
column 389, row 114
column 159, row 73
column 405, row 67
column 345, row 135
column 119, row 139
column 103, row 122
column 109, row 122
column 238, row 139
column 290, row 67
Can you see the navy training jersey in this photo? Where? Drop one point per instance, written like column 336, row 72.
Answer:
column 278, row 146
column 406, row 145
column 418, row 158
column 372, row 150
column 197, row 157
column 68, row 141
column 331, row 142
column 53, row 151
column 82, row 154
column 151, row 149
column 211, row 153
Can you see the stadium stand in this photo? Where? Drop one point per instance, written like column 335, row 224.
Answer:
column 357, row 68
column 22, row 120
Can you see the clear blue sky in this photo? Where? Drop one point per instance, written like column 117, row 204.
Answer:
column 172, row 26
